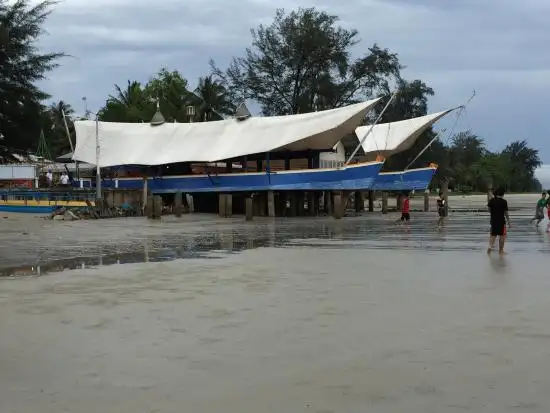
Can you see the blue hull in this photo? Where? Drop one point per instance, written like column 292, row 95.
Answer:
column 28, row 209
column 352, row 177
column 413, row 179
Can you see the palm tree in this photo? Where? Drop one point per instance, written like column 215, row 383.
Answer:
column 215, row 100
column 131, row 96
column 57, row 110
column 127, row 105
column 54, row 127
column 523, row 161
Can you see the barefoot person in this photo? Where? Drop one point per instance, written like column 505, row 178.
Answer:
column 539, row 209
column 406, row 209
column 440, row 210
column 498, row 208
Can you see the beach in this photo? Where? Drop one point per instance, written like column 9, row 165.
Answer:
column 206, row 314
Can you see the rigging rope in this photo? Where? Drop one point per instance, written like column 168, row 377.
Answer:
column 461, row 110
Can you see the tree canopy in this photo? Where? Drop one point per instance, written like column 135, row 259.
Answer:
column 303, row 61
column 137, row 102
column 21, row 66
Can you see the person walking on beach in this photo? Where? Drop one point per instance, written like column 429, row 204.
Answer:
column 498, row 209
column 539, row 209
column 405, row 209
column 440, row 210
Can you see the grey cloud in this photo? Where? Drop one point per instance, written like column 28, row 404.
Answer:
column 493, row 46
column 543, row 175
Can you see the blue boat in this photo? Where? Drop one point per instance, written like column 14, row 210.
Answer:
column 412, row 179
column 351, row 177
column 41, row 202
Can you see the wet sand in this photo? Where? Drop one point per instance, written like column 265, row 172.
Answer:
column 275, row 316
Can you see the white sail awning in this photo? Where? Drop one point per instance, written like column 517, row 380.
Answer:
column 394, row 137
column 143, row 144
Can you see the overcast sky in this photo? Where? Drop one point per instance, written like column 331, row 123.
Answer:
column 499, row 48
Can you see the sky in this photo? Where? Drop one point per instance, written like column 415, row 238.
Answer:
column 499, row 48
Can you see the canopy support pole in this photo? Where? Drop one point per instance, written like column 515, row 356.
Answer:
column 372, row 127
column 97, row 168
column 67, row 130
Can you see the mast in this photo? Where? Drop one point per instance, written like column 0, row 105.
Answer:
column 372, row 127
column 67, row 130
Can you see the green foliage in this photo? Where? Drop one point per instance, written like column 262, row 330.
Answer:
column 301, row 62
column 21, row 66
column 137, row 103
column 468, row 166
column 214, row 99
column 54, row 128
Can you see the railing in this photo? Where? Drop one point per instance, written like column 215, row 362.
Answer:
column 49, row 196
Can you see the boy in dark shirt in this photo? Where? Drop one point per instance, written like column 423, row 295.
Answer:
column 498, row 208
column 440, row 210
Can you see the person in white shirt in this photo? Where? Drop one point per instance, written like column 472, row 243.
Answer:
column 49, row 176
column 64, row 180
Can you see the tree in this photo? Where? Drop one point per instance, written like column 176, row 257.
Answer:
column 21, row 66
column 301, row 63
column 170, row 89
column 522, row 162
column 55, row 130
column 214, row 99
column 137, row 103
column 127, row 105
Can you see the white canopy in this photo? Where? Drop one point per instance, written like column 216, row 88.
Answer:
column 394, row 137
column 143, row 144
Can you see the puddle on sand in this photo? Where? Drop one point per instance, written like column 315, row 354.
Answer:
column 462, row 233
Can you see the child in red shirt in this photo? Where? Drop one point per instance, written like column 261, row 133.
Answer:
column 405, row 210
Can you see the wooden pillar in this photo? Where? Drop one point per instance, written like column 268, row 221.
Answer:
column 178, row 204
column 293, row 197
column 359, row 201
column 157, row 206
column 222, row 205
column 229, row 205
column 317, row 202
column 287, row 164
column 427, row 200
column 371, row 201
column 338, row 208
column 300, row 199
column 384, row 202
column 311, row 197
column 249, row 208
column 145, row 195
column 270, row 204
column 327, row 202
column 445, row 192
column 149, row 209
